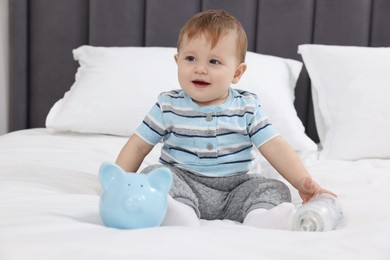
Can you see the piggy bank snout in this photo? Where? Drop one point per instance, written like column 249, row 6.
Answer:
column 134, row 203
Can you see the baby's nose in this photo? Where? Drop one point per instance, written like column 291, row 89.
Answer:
column 200, row 69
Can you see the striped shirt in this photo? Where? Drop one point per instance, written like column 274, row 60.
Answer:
column 208, row 140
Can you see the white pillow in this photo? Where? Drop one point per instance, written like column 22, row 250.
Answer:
column 115, row 87
column 274, row 79
column 351, row 95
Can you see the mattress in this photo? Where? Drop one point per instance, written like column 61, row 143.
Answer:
column 49, row 199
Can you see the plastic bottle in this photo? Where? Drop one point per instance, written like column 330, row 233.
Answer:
column 321, row 213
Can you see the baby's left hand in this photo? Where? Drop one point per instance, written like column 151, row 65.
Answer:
column 307, row 188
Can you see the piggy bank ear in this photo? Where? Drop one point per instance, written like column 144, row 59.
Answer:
column 109, row 172
column 161, row 179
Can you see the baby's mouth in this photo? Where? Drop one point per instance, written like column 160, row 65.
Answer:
column 200, row 83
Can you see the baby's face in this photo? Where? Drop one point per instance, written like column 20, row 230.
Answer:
column 206, row 73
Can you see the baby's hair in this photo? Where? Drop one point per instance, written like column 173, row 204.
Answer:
column 213, row 24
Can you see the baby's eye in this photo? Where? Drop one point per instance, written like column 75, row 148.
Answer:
column 190, row 58
column 214, row 61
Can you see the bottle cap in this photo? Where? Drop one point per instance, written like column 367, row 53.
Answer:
column 310, row 221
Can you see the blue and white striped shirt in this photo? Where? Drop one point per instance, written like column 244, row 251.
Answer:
column 209, row 140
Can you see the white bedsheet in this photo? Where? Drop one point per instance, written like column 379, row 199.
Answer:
column 49, row 195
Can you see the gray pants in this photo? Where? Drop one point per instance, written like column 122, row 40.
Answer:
column 231, row 197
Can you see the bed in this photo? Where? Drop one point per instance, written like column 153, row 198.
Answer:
column 83, row 74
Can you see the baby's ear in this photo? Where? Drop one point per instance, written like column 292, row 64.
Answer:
column 239, row 72
column 161, row 179
column 176, row 57
column 109, row 172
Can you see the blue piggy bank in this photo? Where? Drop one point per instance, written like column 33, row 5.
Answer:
column 129, row 200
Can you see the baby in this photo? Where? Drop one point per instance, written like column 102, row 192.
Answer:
column 208, row 130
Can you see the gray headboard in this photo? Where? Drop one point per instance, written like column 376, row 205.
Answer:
column 43, row 33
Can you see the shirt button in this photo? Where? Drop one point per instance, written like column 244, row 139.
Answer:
column 210, row 146
column 209, row 118
column 209, row 132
